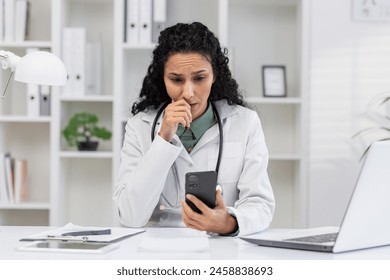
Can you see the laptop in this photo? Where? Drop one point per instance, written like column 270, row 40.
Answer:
column 366, row 222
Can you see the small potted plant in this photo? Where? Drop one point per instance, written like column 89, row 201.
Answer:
column 82, row 131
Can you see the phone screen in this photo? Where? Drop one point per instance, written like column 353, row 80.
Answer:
column 202, row 185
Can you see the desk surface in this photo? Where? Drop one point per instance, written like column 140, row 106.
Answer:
column 220, row 248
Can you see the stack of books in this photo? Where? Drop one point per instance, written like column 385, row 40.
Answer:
column 13, row 179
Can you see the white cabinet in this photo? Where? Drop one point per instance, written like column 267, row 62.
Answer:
column 63, row 184
column 273, row 33
column 82, row 181
column 16, row 126
column 67, row 185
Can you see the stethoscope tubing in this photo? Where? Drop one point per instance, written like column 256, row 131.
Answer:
column 219, row 122
column 220, row 149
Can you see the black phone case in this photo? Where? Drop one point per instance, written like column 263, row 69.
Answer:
column 202, row 185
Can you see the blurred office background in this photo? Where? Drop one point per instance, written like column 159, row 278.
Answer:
column 334, row 55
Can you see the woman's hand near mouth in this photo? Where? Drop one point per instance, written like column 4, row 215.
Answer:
column 177, row 112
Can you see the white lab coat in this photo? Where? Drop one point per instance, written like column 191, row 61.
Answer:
column 146, row 179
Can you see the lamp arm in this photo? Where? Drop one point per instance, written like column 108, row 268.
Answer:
column 9, row 60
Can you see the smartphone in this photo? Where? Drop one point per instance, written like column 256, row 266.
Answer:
column 202, row 185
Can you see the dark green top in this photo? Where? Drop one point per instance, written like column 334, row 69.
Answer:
column 190, row 136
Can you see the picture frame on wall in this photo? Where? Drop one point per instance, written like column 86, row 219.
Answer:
column 274, row 81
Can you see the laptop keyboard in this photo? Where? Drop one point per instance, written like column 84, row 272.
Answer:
column 321, row 238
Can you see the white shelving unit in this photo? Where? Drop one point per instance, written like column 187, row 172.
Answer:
column 83, row 180
column 16, row 127
column 66, row 185
column 275, row 35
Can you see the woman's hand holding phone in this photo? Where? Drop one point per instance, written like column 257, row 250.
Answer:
column 216, row 220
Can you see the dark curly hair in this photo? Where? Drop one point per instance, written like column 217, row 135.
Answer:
column 187, row 38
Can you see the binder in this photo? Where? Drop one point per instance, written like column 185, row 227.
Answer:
column 93, row 68
column 32, row 94
column 1, row 20
column 132, row 21
column 73, row 55
column 20, row 20
column 32, row 100
column 44, row 100
column 145, row 25
column 67, row 59
column 79, row 41
column 9, row 20
column 159, row 18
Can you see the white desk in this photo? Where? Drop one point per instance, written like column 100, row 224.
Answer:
column 221, row 248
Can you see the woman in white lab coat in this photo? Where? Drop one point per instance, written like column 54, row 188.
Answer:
column 190, row 73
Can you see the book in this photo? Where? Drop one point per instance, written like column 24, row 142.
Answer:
column 3, row 182
column 20, row 185
column 9, row 177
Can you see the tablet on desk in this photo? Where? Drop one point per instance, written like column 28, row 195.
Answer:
column 68, row 247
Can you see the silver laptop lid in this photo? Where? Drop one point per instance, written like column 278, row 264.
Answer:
column 367, row 220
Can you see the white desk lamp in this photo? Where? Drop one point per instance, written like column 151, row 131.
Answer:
column 40, row 67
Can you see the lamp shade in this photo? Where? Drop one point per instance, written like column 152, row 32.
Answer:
column 41, row 68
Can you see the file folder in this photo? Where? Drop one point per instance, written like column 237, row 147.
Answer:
column 9, row 24
column 20, row 20
column 44, row 100
column 132, row 21
column 93, row 67
column 145, row 28
column 73, row 55
column 78, row 63
column 159, row 18
column 32, row 94
column 2, row 16
column 32, row 100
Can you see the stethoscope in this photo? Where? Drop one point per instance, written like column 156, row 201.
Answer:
column 174, row 169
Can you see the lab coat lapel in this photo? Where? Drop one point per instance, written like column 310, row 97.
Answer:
column 183, row 154
column 208, row 136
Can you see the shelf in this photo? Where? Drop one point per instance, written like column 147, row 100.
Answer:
column 138, row 47
column 274, row 100
column 77, row 154
column 284, row 157
column 88, row 98
column 26, row 44
column 25, row 119
column 26, row 206
column 271, row 3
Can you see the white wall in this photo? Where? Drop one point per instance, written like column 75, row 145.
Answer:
column 349, row 65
